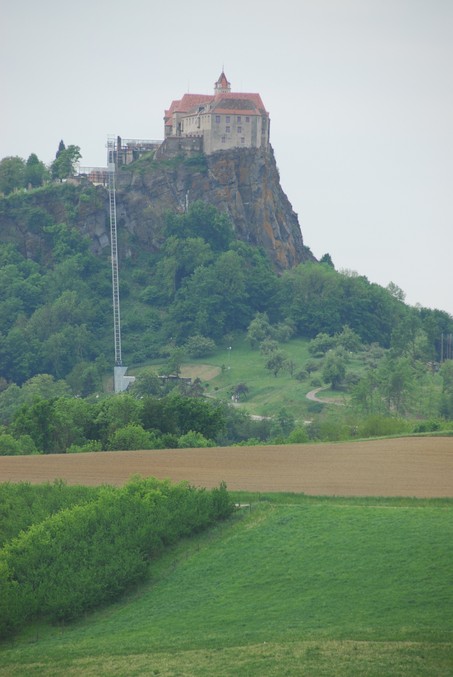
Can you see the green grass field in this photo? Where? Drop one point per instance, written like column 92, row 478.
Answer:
column 267, row 393
column 295, row 586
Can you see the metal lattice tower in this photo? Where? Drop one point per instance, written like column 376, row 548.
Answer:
column 111, row 154
column 121, row 381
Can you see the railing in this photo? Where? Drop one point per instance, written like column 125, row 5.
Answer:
column 96, row 175
column 138, row 143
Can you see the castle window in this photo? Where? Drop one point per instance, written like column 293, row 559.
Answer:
column 227, row 129
column 239, row 118
column 247, row 119
column 217, row 118
column 223, row 139
column 239, row 129
column 242, row 139
column 227, row 119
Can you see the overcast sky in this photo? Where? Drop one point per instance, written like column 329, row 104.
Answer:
column 360, row 95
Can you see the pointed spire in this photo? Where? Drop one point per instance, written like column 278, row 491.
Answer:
column 222, row 85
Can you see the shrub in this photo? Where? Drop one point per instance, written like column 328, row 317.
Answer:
column 298, row 436
column 316, row 382
column 193, row 439
column 87, row 555
column 91, row 445
column 379, row 426
column 199, row 346
column 427, row 427
column 9, row 446
column 251, row 442
column 133, row 436
column 321, row 344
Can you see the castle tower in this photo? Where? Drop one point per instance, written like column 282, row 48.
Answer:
column 222, row 86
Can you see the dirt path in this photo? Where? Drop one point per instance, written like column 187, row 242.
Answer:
column 421, row 467
column 313, row 396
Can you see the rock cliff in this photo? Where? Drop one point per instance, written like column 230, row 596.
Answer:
column 244, row 183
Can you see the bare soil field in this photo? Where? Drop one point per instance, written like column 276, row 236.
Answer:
column 419, row 467
column 205, row 372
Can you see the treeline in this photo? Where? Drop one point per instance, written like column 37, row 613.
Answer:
column 16, row 173
column 87, row 555
column 386, row 394
column 68, row 424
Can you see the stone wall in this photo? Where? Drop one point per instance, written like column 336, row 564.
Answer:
column 175, row 146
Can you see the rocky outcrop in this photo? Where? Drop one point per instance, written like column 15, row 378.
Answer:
column 244, row 183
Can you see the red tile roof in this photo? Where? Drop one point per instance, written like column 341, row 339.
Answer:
column 222, row 102
column 256, row 98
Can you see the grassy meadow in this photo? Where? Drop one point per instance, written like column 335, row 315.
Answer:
column 226, row 368
column 292, row 585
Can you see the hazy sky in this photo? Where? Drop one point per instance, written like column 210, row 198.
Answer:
column 360, row 94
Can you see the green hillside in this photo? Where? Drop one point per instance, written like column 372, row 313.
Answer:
column 197, row 296
column 294, row 586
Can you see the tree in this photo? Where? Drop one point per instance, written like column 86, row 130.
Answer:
column 196, row 414
column 11, row 400
column 146, row 383
column 396, row 291
column 64, row 164
column 9, row 446
column 348, row 340
column 181, row 258
column 205, row 221
column 268, row 346
column 261, row 282
column 157, row 416
column 12, row 174
column 19, row 354
column 259, row 330
column 199, row 346
column 327, row 259
column 117, row 412
column 35, row 420
column 85, row 378
column 172, row 366
column 192, row 439
column 397, row 383
column 240, row 391
column 212, row 302
column 321, row 344
column 35, row 172
column 334, row 369
column 298, row 435
column 282, row 425
column 276, row 362
column 61, row 148
column 192, row 388
column 44, row 387
column 72, row 421
column 133, row 436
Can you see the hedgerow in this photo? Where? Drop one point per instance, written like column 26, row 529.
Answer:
column 89, row 554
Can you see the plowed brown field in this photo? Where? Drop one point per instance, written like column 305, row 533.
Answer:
column 419, row 467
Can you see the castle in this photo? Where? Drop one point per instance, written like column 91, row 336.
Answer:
column 218, row 121
column 197, row 123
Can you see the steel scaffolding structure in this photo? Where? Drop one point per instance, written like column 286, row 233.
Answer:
column 120, row 380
